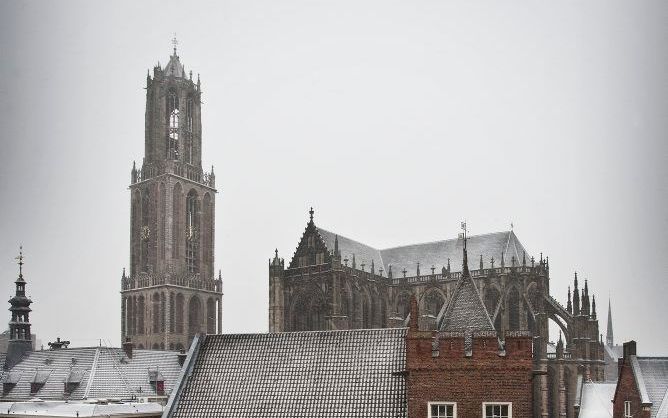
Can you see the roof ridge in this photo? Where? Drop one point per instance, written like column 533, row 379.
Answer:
column 332, row 331
column 469, row 237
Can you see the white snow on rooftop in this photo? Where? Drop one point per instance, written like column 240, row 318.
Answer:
column 597, row 400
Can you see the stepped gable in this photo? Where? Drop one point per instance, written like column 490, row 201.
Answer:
column 352, row 373
column 97, row 372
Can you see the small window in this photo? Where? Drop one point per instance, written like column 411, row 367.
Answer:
column 442, row 410
column 497, row 410
column 627, row 409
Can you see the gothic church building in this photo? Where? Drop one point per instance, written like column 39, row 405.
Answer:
column 171, row 292
column 334, row 283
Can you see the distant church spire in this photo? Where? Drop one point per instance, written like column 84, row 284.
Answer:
column 20, row 339
column 576, row 296
column 465, row 266
column 609, row 338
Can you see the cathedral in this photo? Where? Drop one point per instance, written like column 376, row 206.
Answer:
column 171, row 292
column 335, row 283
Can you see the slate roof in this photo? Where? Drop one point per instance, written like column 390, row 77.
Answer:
column 596, row 400
column 351, row 373
column 101, row 372
column 466, row 310
column 651, row 375
column 434, row 253
column 174, row 67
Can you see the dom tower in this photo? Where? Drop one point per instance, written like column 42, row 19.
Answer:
column 171, row 292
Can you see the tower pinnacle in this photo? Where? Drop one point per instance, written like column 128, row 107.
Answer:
column 175, row 42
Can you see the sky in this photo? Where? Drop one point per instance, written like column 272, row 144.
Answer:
column 395, row 120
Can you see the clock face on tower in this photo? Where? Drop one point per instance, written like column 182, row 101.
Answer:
column 145, row 232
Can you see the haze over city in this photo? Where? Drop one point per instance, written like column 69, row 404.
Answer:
column 393, row 120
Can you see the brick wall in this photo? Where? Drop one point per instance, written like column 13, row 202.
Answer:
column 448, row 375
column 627, row 390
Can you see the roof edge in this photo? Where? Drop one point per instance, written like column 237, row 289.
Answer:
column 185, row 373
column 639, row 379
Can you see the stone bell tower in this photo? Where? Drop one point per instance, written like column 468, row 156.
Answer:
column 20, row 338
column 171, row 292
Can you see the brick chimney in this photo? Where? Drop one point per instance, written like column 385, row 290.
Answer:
column 127, row 347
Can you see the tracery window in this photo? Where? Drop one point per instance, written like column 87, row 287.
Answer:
column 173, row 126
column 192, row 232
column 189, row 130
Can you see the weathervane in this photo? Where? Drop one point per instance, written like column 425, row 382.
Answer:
column 20, row 258
column 175, row 42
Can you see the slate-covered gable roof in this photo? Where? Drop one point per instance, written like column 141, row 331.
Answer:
column 429, row 254
column 652, row 376
column 466, row 310
column 351, row 373
column 94, row 372
column 347, row 247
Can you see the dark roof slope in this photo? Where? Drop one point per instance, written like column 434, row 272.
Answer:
column 348, row 247
column 353, row 373
column 466, row 311
column 434, row 253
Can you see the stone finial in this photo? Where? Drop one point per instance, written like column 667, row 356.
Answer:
column 380, row 271
column 433, row 270
column 362, row 265
column 481, row 265
column 404, row 271
column 448, row 265
column 533, row 261
column 524, row 259
column 418, row 269
column 491, row 261
column 593, row 306
column 345, row 261
column 354, row 263
column 569, row 305
column 503, row 259
column 373, row 267
column 389, row 271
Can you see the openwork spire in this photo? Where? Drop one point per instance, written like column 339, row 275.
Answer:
column 609, row 338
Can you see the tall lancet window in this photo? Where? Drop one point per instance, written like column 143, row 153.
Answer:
column 145, row 230
column 173, row 129
column 192, row 232
column 189, row 130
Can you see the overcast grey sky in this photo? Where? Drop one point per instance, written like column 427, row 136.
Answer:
column 394, row 119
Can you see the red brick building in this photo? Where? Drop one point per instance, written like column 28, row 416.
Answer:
column 642, row 387
column 464, row 369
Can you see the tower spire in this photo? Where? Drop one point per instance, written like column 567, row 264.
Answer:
column 174, row 43
column 609, row 338
column 569, row 305
column 576, row 296
column 20, row 338
column 465, row 266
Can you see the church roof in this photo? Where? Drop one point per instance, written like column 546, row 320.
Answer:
column 98, row 372
column 351, row 373
column 434, row 253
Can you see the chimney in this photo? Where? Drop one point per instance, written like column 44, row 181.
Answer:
column 182, row 357
column 629, row 349
column 127, row 347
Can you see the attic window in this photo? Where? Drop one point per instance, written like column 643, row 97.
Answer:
column 41, row 376
column 10, row 380
column 157, row 381
column 73, row 380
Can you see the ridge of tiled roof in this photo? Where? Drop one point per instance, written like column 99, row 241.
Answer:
column 352, row 373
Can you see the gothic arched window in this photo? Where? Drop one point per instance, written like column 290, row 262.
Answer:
column 194, row 317
column 145, row 229
column 140, row 315
column 155, row 308
column 210, row 316
column 514, row 310
column 179, row 313
column 173, row 126
column 189, row 130
column 192, row 232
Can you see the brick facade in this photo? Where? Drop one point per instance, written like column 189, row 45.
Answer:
column 439, row 369
column 627, row 387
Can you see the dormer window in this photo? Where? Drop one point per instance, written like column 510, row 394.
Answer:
column 9, row 381
column 157, row 381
